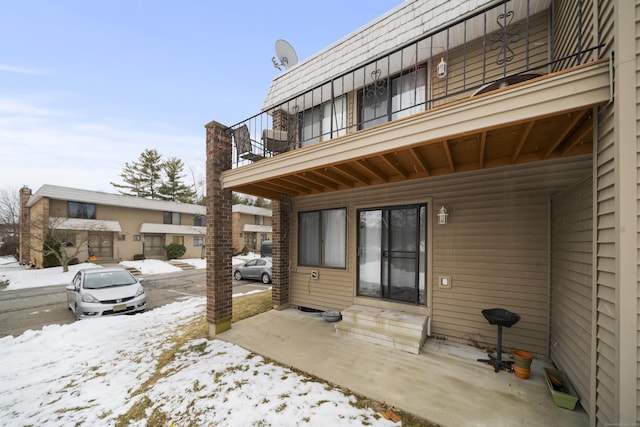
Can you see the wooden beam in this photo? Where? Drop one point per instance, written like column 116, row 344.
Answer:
column 351, row 173
column 368, row 166
column 335, row 177
column 522, row 141
column 287, row 184
column 483, row 146
column 393, row 163
column 419, row 160
column 305, row 183
column 447, row 152
column 576, row 119
column 583, row 131
column 319, row 179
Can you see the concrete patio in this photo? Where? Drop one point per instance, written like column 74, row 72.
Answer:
column 444, row 383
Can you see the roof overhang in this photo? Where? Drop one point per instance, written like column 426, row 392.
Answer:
column 147, row 227
column 253, row 228
column 84, row 224
column 544, row 118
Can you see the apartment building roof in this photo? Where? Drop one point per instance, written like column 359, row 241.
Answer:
column 109, row 199
column 251, row 210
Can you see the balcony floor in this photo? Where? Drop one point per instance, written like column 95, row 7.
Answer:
column 444, row 383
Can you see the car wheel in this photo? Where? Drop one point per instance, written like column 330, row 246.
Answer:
column 237, row 275
column 266, row 279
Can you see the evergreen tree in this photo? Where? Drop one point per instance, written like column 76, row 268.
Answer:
column 151, row 167
column 172, row 188
column 142, row 178
column 132, row 185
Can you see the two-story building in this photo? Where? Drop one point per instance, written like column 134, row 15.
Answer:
column 107, row 227
column 251, row 226
column 454, row 156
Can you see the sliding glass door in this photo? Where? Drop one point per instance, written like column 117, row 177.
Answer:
column 391, row 253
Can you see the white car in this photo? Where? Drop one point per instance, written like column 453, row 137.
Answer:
column 96, row 292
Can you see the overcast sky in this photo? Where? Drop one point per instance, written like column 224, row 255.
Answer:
column 86, row 86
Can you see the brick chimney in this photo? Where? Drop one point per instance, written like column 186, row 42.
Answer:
column 25, row 195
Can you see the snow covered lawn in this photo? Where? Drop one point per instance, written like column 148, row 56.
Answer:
column 148, row 369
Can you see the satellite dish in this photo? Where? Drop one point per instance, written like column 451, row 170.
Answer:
column 286, row 55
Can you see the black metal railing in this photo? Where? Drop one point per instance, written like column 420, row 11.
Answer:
column 496, row 46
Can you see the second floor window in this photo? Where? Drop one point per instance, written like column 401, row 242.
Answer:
column 325, row 121
column 82, row 210
column 259, row 220
column 171, row 218
column 200, row 221
column 379, row 104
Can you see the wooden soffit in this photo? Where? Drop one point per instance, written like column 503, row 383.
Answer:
column 540, row 119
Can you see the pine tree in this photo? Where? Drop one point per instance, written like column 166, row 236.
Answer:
column 132, row 185
column 142, row 178
column 172, row 188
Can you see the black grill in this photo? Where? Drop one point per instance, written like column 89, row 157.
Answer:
column 117, row 301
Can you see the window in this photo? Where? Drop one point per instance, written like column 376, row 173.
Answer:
column 179, row 240
column 322, row 238
column 379, row 104
column 171, row 218
column 259, row 220
column 198, row 241
column 325, row 121
column 121, row 237
column 200, row 221
column 137, row 237
column 81, row 210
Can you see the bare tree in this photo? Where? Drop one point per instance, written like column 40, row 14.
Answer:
column 61, row 241
column 9, row 221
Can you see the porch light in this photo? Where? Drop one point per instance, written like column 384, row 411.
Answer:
column 442, row 215
column 442, row 69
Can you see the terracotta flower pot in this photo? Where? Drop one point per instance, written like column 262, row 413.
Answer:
column 521, row 372
column 522, row 359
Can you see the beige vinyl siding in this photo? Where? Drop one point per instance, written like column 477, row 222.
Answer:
column 571, row 283
column 604, row 360
column 467, row 66
column 568, row 39
column 637, row 46
column 495, row 248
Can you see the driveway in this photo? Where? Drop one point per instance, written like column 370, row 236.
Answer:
column 34, row 308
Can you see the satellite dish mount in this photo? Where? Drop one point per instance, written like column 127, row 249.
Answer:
column 286, row 55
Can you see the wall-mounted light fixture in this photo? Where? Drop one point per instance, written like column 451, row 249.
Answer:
column 442, row 69
column 442, row 215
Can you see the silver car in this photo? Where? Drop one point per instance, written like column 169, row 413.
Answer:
column 256, row 269
column 96, row 292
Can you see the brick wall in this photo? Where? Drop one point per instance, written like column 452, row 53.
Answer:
column 281, row 222
column 219, row 230
column 25, row 194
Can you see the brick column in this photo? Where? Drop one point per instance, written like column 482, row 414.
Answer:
column 24, row 236
column 280, row 222
column 218, row 242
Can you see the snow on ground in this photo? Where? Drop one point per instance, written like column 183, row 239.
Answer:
column 19, row 276
column 91, row 372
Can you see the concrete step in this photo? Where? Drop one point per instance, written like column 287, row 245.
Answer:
column 182, row 265
column 133, row 270
column 393, row 329
column 388, row 320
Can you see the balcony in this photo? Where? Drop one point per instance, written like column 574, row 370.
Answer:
column 512, row 83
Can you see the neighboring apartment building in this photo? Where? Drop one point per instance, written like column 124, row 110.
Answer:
column 251, row 226
column 452, row 156
column 107, row 227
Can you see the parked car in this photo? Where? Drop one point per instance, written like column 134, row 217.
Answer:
column 256, row 269
column 96, row 292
